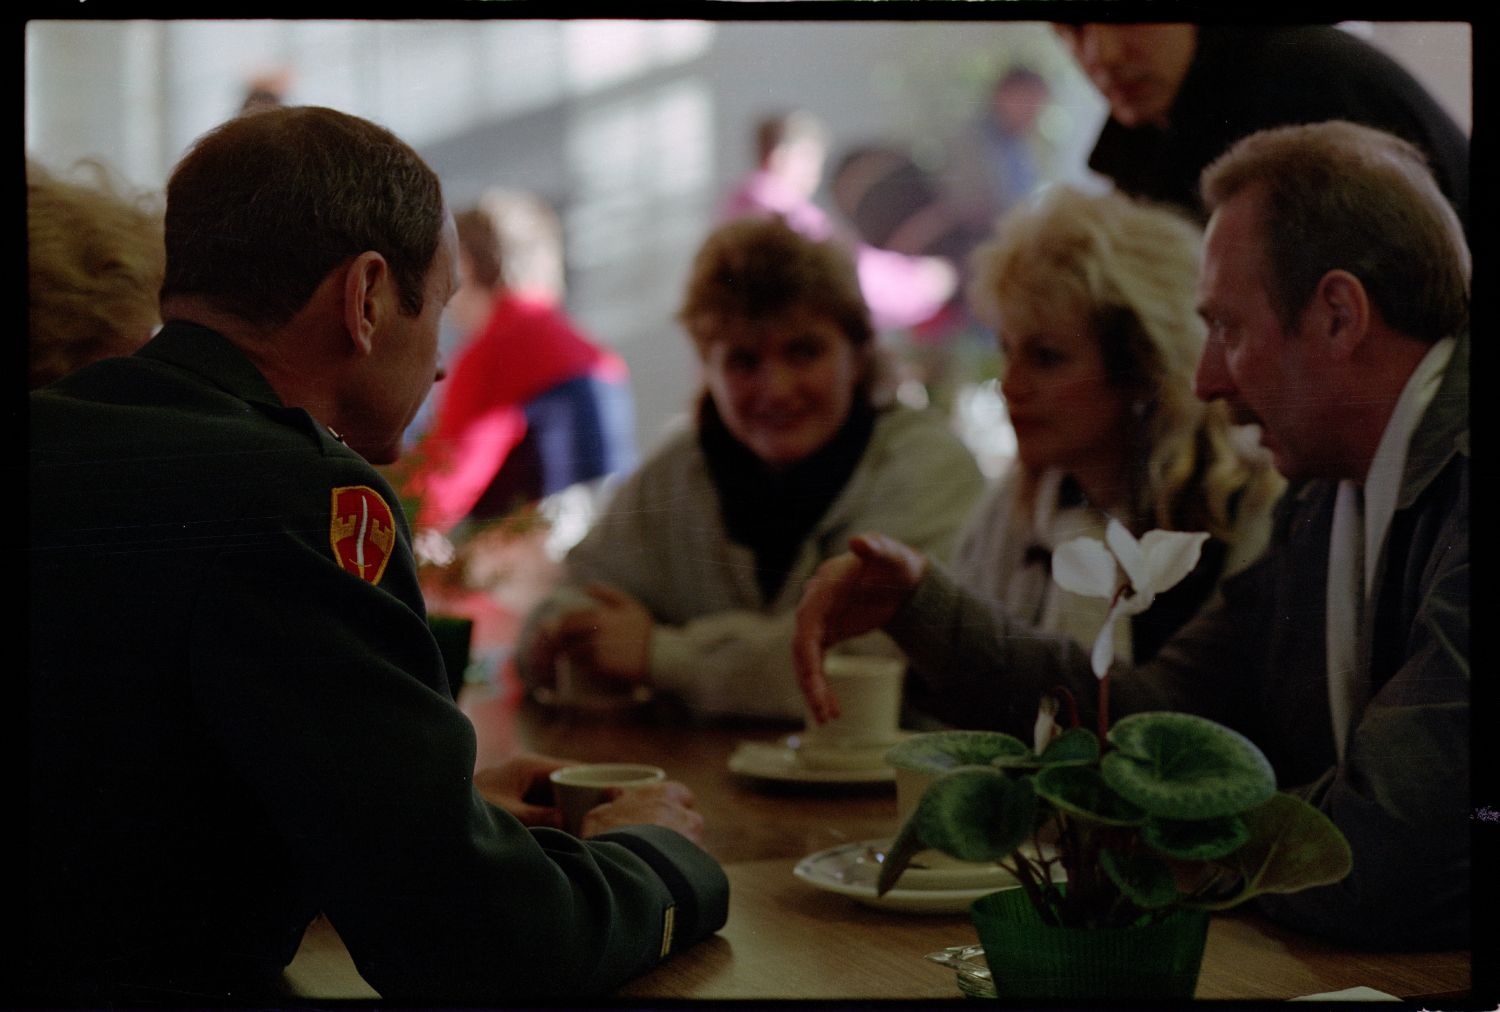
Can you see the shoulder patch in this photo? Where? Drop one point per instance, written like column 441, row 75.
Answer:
column 362, row 531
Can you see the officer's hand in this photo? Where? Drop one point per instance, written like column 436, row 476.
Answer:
column 520, row 786
column 668, row 804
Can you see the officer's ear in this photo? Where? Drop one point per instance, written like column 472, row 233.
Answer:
column 366, row 296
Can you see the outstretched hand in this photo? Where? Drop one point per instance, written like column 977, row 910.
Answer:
column 853, row 593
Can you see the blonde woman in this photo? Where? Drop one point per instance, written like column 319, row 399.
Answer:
column 95, row 260
column 1093, row 301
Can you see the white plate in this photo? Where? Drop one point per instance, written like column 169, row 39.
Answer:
column 848, row 871
column 777, row 760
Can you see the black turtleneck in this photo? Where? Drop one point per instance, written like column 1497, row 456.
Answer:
column 772, row 510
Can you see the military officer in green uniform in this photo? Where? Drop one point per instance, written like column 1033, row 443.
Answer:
column 238, row 718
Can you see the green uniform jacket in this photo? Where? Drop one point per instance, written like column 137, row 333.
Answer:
column 238, row 718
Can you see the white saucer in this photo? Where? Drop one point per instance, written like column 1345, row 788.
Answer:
column 929, row 869
column 839, row 755
column 849, row 871
column 777, row 760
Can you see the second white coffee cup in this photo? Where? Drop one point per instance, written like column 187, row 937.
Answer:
column 580, row 788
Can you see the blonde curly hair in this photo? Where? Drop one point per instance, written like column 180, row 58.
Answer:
column 95, row 260
column 1129, row 271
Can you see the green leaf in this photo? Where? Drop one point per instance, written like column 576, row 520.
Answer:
column 973, row 814
column 907, row 844
column 1145, row 880
column 1075, row 745
column 1292, row 846
column 948, row 750
column 1080, row 791
column 1181, row 766
column 976, row 814
column 1200, row 840
column 1017, row 763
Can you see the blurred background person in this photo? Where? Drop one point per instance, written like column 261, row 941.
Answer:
column 94, row 259
column 897, row 206
column 999, row 159
column 1179, row 95
column 689, row 580
column 791, row 151
column 267, row 89
column 532, row 406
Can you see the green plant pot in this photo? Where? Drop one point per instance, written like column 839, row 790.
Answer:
column 1032, row 960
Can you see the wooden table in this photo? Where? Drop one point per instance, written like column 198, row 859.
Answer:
column 787, row 939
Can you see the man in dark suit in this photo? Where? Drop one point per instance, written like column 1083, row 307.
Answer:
column 1335, row 286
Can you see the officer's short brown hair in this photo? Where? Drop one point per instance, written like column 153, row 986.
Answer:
column 263, row 207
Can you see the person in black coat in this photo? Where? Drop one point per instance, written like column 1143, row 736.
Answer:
column 1179, row 95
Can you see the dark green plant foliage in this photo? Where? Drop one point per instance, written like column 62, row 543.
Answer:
column 1075, row 745
column 1180, row 766
column 944, row 816
column 1081, row 791
column 947, row 750
column 1177, row 812
column 1146, row 881
column 1292, row 846
column 945, row 819
column 1195, row 841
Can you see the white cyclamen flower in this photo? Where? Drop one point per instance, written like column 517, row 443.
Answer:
column 1151, row 565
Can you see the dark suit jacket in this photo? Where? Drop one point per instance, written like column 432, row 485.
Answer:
column 1255, row 660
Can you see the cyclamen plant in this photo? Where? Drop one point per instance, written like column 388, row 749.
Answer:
column 1155, row 563
column 1161, row 811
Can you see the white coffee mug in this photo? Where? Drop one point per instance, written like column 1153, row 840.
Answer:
column 580, row 788
column 868, row 689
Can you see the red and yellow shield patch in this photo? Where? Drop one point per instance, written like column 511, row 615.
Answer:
column 362, row 531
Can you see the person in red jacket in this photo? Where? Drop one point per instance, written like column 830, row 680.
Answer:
column 532, row 405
